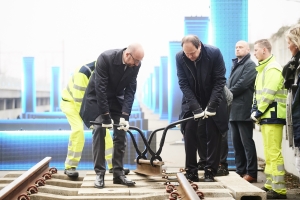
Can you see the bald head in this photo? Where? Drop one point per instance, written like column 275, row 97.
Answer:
column 133, row 55
column 241, row 49
column 136, row 50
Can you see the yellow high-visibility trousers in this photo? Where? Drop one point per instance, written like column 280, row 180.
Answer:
column 274, row 170
column 76, row 138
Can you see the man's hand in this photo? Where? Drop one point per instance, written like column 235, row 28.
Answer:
column 198, row 113
column 107, row 122
column 124, row 124
column 208, row 113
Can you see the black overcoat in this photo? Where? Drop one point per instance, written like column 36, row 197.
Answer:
column 212, row 77
column 241, row 85
column 110, row 89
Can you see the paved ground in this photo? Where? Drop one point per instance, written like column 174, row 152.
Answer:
column 173, row 152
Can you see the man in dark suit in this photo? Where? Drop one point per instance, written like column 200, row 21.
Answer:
column 241, row 84
column 108, row 100
column 201, row 77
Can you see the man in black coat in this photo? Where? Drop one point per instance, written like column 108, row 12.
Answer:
column 108, row 100
column 241, row 84
column 201, row 77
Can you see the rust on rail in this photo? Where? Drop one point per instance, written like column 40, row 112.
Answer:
column 28, row 182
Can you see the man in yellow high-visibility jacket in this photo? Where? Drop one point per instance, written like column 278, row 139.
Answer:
column 269, row 109
column 70, row 104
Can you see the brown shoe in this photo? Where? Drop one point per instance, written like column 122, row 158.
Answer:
column 250, row 179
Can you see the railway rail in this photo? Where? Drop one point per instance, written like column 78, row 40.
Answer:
column 25, row 185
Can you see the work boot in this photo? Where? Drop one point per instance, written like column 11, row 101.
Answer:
column 126, row 171
column 72, row 173
column 271, row 194
column 264, row 189
column 222, row 170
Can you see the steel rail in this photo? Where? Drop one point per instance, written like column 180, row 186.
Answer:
column 28, row 182
column 187, row 190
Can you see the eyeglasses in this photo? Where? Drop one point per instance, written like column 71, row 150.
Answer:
column 135, row 60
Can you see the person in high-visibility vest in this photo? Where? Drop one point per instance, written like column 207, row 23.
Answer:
column 269, row 110
column 70, row 105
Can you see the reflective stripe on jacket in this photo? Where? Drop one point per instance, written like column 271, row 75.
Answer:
column 270, row 94
column 77, row 84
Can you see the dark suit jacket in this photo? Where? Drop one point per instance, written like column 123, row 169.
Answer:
column 212, row 78
column 110, row 89
column 241, row 84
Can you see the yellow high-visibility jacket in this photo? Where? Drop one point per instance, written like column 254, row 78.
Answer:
column 76, row 87
column 270, row 95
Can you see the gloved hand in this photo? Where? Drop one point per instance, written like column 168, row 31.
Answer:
column 124, row 124
column 254, row 118
column 207, row 113
column 198, row 113
column 107, row 122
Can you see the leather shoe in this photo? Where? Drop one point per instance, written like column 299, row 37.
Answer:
column 126, row 171
column 99, row 182
column 208, row 176
column 123, row 181
column 250, row 179
column 192, row 176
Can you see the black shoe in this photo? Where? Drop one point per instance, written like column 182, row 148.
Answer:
column 208, row 176
column 72, row 173
column 271, row 194
column 123, row 181
column 264, row 189
column 126, row 171
column 222, row 171
column 99, row 182
column 192, row 176
column 201, row 166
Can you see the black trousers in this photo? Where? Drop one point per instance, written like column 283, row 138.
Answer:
column 244, row 147
column 224, row 145
column 202, row 149
column 98, row 149
column 210, row 132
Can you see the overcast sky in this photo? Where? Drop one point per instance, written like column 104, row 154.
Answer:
column 70, row 33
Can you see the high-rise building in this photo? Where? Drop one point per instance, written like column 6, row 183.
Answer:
column 229, row 21
column 197, row 26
